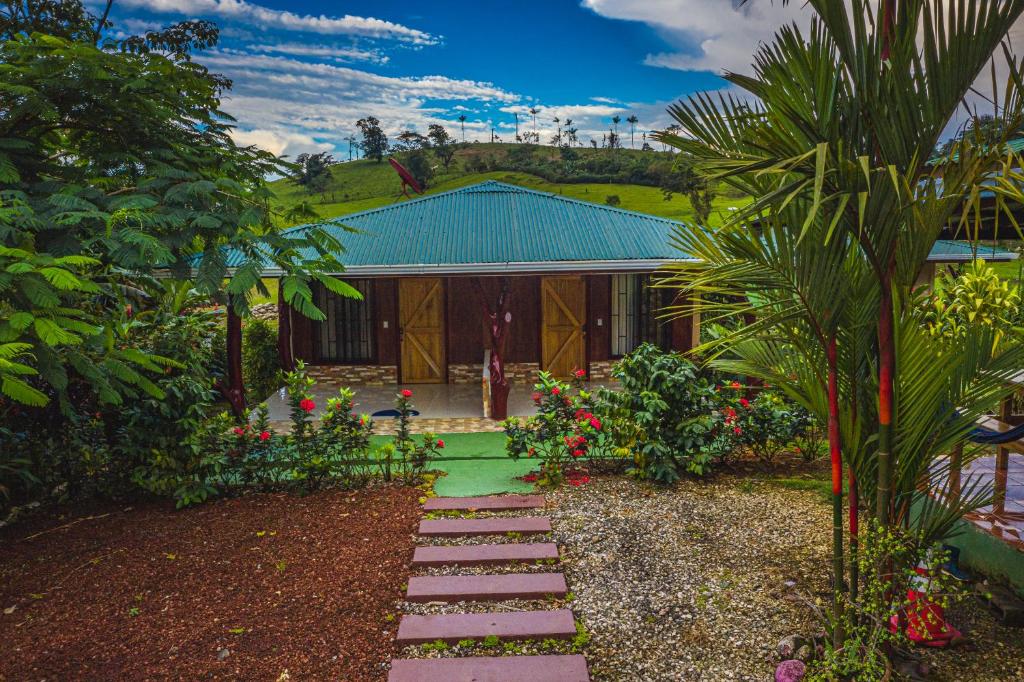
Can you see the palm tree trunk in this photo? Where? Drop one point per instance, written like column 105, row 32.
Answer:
column 854, row 523
column 886, row 366
column 835, row 450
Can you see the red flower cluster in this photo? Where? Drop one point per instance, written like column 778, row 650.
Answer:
column 264, row 435
column 744, row 402
column 406, row 393
column 583, row 416
column 577, row 478
column 307, row 405
column 536, row 397
column 579, row 373
column 555, row 390
column 440, row 443
column 735, row 385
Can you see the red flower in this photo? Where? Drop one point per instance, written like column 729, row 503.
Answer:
column 555, row 390
column 532, row 452
column 737, row 430
column 579, row 413
column 744, row 402
column 239, row 431
column 406, row 393
column 735, row 385
column 596, row 423
column 307, row 405
column 536, row 397
column 264, row 435
column 577, row 453
column 580, row 373
column 440, row 443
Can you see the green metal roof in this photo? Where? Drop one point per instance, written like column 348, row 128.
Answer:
column 945, row 251
column 496, row 227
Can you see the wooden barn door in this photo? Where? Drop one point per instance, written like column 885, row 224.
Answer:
column 421, row 330
column 563, row 312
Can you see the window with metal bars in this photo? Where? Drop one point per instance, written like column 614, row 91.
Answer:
column 346, row 336
column 634, row 314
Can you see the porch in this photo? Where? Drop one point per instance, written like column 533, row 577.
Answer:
column 443, row 408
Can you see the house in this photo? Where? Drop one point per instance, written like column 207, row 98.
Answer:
column 451, row 280
column 574, row 274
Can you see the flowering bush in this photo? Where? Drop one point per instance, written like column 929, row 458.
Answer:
column 564, row 430
column 404, row 456
column 764, row 425
column 665, row 413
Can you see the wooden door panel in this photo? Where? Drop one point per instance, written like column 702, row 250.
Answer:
column 421, row 329
column 563, row 314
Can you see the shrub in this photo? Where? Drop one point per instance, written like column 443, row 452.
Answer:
column 764, row 425
column 665, row 413
column 261, row 368
column 565, row 428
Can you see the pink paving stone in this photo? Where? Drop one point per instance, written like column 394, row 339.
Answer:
column 427, row 588
column 491, row 669
column 454, row 627
column 489, row 503
column 476, row 555
column 497, row 526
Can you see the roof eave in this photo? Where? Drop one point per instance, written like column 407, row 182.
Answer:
column 626, row 265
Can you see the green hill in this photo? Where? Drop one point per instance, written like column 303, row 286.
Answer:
column 364, row 184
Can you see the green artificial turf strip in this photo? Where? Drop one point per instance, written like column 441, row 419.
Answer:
column 475, row 464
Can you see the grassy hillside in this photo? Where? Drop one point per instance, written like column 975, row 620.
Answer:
column 361, row 185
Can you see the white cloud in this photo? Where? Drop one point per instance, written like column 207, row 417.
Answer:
column 264, row 17
column 322, row 51
column 711, row 35
column 256, row 73
column 280, row 142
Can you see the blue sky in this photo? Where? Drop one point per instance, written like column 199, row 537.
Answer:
column 305, row 71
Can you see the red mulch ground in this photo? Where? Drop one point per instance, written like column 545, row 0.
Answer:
column 283, row 583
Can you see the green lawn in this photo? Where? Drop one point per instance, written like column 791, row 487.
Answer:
column 475, row 464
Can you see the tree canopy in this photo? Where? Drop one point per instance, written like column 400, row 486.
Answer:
column 117, row 161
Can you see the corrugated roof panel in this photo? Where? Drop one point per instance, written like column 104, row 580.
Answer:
column 495, row 223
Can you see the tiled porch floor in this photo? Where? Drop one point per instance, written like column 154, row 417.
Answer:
column 443, row 408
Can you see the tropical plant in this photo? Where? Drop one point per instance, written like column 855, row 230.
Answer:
column 565, row 429
column 834, row 147
column 100, row 179
column 975, row 296
column 665, row 413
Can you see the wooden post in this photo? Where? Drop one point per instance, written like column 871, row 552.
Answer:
column 234, row 391
column 1002, row 459
column 284, row 333
column 498, row 319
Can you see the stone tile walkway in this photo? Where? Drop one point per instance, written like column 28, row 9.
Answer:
column 503, row 624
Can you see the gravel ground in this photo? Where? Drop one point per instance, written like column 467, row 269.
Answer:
column 700, row 582
column 692, row 582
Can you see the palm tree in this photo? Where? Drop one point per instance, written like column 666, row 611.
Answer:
column 615, row 123
column 633, row 120
column 845, row 121
column 462, row 122
column 558, row 135
column 533, row 112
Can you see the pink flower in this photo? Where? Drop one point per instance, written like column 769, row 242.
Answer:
column 406, row 393
column 440, row 443
column 264, row 435
column 307, row 405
